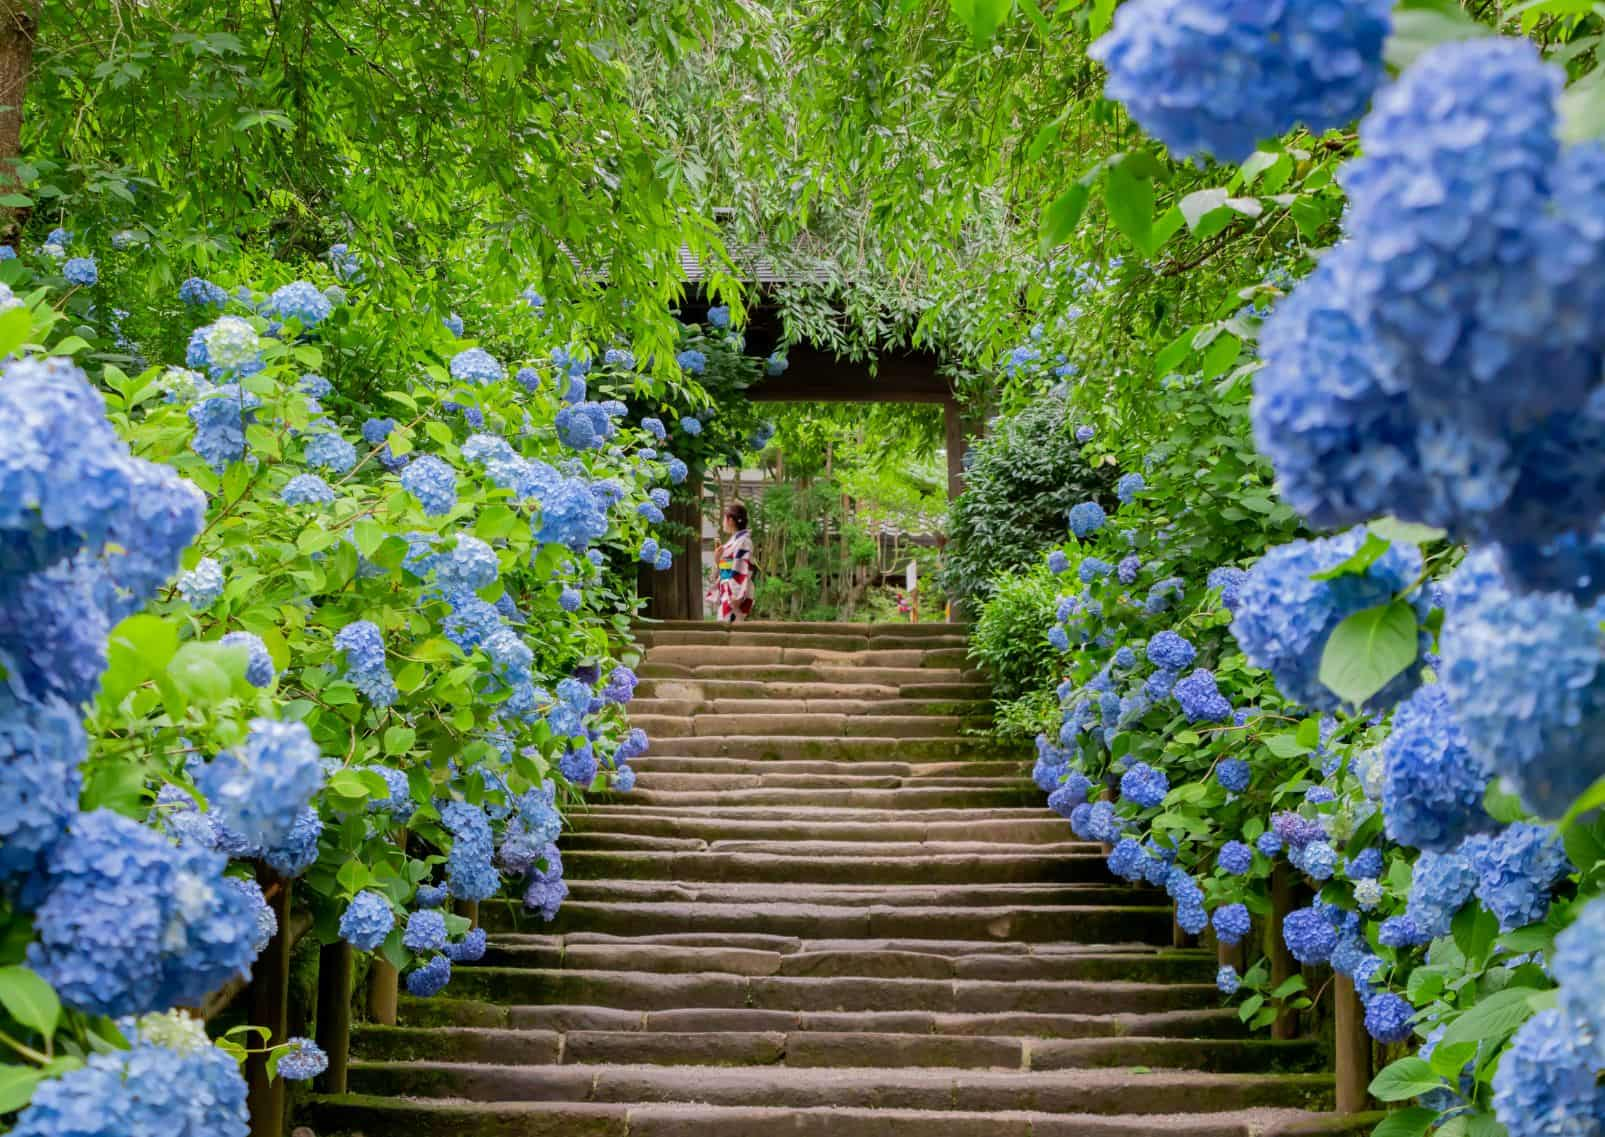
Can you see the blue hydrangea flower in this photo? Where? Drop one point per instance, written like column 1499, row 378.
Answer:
column 1440, row 885
column 1057, row 561
column 1234, row 773
column 220, row 417
column 430, row 979
column 1517, row 869
column 470, row 872
column 306, row 489
column 1227, row 981
column 1128, row 487
column 453, row 324
column 1285, row 618
column 1235, row 858
column 1388, row 1018
column 431, row 895
column 1085, row 434
column 364, row 649
column 719, row 315
column 259, row 790
column 299, row 300
column 1189, row 898
column 1579, row 967
column 663, row 561
column 691, row 425
column 476, row 366
column 578, row 765
column 1092, row 569
column 433, row 483
column 1231, row 923
column 367, row 920
column 1216, row 77
column 1545, row 1083
column 1318, row 860
column 1433, row 784
column 469, row 949
column 1059, row 638
column 1364, row 865
column 1200, row 699
column 82, row 271
column 202, row 586
column 1230, row 581
column 776, row 364
column 425, row 931
column 329, row 451
column 267, row 924
column 180, row 1087
column 692, row 361
column 678, row 471
column 202, row 293
column 1309, row 935
column 1128, row 568
column 1144, row 785
column 131, row 923
column 1126, row 861
column 1171, row 651
column 655, row 427
column 42, row 745
column 1400, row 932
column 298, row 851
column 1086, row 518
column 1367, row 893
column 302, row 1060
column 547, row 889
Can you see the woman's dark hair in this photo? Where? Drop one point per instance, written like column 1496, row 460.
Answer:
column 737, row 512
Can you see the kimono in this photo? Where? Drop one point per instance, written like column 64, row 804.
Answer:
column 732, row 588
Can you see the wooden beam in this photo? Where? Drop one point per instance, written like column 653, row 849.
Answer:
column 818, row 376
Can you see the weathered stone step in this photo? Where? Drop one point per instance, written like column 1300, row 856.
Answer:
column 501, row 1047
column 851, row 960
column 703, row 690
column 1048, row 1091
column 972, row 768
column 847, row 627
column 812, row 724
column 905, row 749
column 1033, row 924
column 699, row 655
column 1012, row 793
column 914, row 867
column 372, row 1116
column 646, row 991
column 649, row 778
column 1105, row 893
column 901, row 677
column 965, row 710
column 860, row 639
column 1214, row 1022
column 763, row 823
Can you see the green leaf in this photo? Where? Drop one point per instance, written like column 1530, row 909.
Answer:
column 17, row 1084
column 1450, row 1060
column 1406, row 1078
column 982, row 17
column 1420, row 25
column 1287, row 986
column 399, row 739
column 1404, row 532
column 1064, row 214
column 1368, row 649
column 348, row 783
column 1358, row 562
column 1492, row 1020
column 1412, row 1122
column 30, row 1000
column 1130, row 202
column 1286, row 746
column 15, row 327
column 1200, row 204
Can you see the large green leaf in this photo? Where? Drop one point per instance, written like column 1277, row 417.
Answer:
column 1494, row 1019
column 30, row 1000
column 1368, row 649
column 1412, row 1122
column 1421, row 25
column 1130, row 202
column 1407, row 1078
column 982, row 17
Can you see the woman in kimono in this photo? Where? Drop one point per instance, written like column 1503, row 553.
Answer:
column 732, row 588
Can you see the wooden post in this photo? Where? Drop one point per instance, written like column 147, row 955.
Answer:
column 270, row 1008
column 1234, row 956
column 1351, row 1047
column 1283, row 965
column 334, row 1013
column 468, row 908
column 954, row 427
column 384, row 989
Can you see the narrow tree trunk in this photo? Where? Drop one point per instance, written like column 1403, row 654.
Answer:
column 19, row 26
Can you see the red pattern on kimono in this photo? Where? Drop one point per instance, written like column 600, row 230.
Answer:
column 732, row 588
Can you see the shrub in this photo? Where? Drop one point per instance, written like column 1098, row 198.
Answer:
column 1011, row 635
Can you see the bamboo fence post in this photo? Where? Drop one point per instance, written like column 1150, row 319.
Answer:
column 270, row 1009
column 334, row 1013
column 1351, row 1047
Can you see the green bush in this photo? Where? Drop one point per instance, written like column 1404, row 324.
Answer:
column 1021, row 484
column 1011, row 636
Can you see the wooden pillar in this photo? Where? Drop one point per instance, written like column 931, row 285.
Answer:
column 1234, row 956
column 270, row 1008
column 334, row 1013
column 955, row 447
column 468, row 909
column 1351, row 1047
column 384, row 991
column 677, row 593
column 1283, row 965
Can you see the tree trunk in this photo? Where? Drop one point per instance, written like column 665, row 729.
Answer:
column 19, row 25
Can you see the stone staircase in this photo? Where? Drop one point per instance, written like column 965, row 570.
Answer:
column 827, row 910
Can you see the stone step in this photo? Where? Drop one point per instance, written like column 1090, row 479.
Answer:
column 842, row 642
column 373, row 1116
column 1010, row 793
column 1047, row 1091
column 650, row 778
column 1105, row 893
column 913, row 867
column 1044, row 924
column 709, row 666
column 702, row 691
column 698, row 655
column 843, row 627
column 811, row 724
column 965, row 710
column 760, row 823
column 808, row 1049
column 734, row 767
column 648, row 991
column 1214, row 1022
column 906, row 749
column 894, row 960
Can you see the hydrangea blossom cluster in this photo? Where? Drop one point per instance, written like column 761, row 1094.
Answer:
column 433, row 483
column 299, row 300
column 1433, row 786
column 364, row 649
column 1216, row 77
column 367, row 920
column 470, row 873
column 260, row 790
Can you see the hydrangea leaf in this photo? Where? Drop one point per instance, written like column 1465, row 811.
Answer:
column 1412, row 1122
column 982, row 17
column 17, row 1084
column 1368, row 649
column 1130, row 202
column 1420, row 25
column 1408, row 532
column 1494, row 1019
column 1064, row 214
column 1406, row 1078
column 30, row 1000
column 1360, row 561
